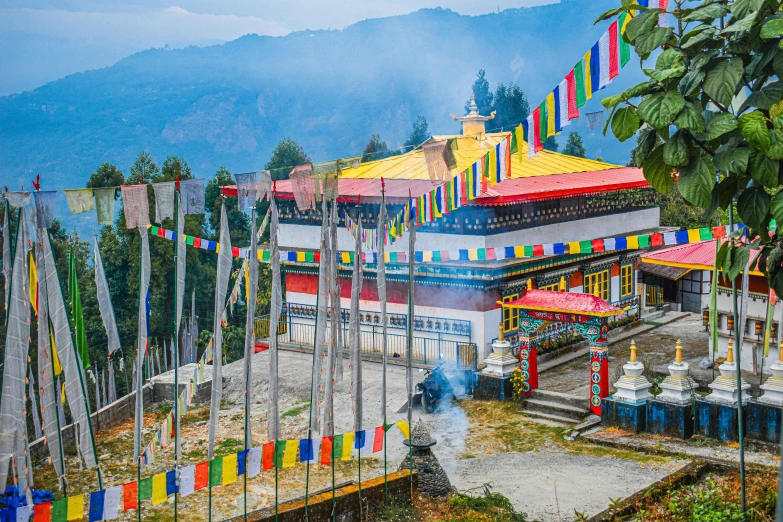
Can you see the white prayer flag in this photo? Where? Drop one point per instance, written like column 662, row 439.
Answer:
column 669, row 238
column 254, row 461
column 23, row 513
column 316, row 453
column 562, row 93
column 369, row 441
column 111, row 502
column 187, row 480
column 609, row 244
column 603, row 64
column 549, row 249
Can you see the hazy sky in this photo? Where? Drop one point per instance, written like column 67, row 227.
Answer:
column 42, row 40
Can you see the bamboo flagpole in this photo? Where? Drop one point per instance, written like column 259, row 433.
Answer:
column 273, row 413
column 250, row 339
column 356, row 343
column 409, row 335
column 382, row 298
column 179, row 226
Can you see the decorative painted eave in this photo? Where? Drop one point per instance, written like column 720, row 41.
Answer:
column 564, row 302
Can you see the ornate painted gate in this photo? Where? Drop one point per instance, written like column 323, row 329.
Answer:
column 589, row 315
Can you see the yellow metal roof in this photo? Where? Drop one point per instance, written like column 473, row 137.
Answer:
column 413, row 165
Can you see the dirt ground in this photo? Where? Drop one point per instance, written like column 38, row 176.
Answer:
column 478, row 443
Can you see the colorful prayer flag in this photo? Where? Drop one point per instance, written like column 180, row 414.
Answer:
column 229, row 469
column 588, row 75
column 378, row 440
column 348, row 440
column 130, row 495
column 614, row 68
column 159, row 489
column 268, row 455
column 76, row 507
column 551, row 127
column 216, row 471
column 326, row 450
column 289, row 456
column 404, row 428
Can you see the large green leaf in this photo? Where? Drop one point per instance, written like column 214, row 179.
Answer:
column 696, row 181
column 702, row 59
column 777, row 207
column 721, row 81
column 648, row 139
column 775, row 151
column 738, row 259
column 772, row 28
column 727, row 189
column 732, row 160
column 669, row 59
column 764, row 170
column 610, row 101
column 777, row 65
column 690, row 118
column 691, row 81
column 719, row 125
column 641, row 23
column 660, row 109
column 753, row 205
column 657, row 172
column 740, row 25
column 608, row 14
column 742, row 8
column 764, row 98
column 648, row 42
column 640, row 89
column 625, row 123
column 662, row 76
column 706, row 13
column 694, row 38
column 754, row 128
column 675, row 151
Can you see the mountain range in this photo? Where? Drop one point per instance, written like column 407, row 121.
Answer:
column 230, row 104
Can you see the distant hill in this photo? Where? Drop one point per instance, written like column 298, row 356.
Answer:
column 330, row 90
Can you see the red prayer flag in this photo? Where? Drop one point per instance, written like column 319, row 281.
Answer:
column 444, row 255
column 573, row 111
column 43, row 512
column 614, row 68
column 326, row 450
column 235, row 251
column 718, row 232
column 463, row 188
column 317, row 257
column 656, row 239
column 537, row 129
column 598, row 245
column 173, row 426
column 268, row 455
column 161, row 232
column 201, row 479
column 490, row 254
column 130, row 495
column 538, row 250
column 377, row 441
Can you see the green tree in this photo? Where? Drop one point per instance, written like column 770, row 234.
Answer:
column 286, row 155
column 695, row 124
column 574, row 146
column 375, row 149
column 107, row 175
column 418, row 135
column 143, row 168
column 551, row 144
column 511, row 106
column 482, row 93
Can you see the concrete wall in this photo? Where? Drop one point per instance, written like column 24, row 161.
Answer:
column 309, row 236
column 347, row 502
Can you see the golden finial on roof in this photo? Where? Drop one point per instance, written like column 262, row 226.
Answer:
column 529, row 284
column 562, row 287
column 633, row 351
column 730, row 355
column 678, row 352
column 501, row 333
column 596, row 290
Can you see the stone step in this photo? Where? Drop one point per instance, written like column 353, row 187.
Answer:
column 553, row 408
column 575, row 401
column 557, row 419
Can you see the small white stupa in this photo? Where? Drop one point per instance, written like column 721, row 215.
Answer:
column 724, row 387
column 633, row 386
column 773, row 388
column 501, row 362
column 678, row 387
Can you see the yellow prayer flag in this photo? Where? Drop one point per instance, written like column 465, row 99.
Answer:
column 217, row 246
column 574, row 248
column 493, row 166
column 229, row 469
column 33, row 284
column 346, row 259
column 693, row 235
column 550, row 114
column 520, row 135
column 633, row 242
column 159, row 489
column 347, row 446
column 300, row 257
column 62, row 394
column 386, row 256
column 247, row 282
column 627, row 19
column 427, row 256
column 289, row 457
column 58, row 369
column 473, row 254
column 404, row 428
column 75, row 507
column 588, row 80
column 519, row 251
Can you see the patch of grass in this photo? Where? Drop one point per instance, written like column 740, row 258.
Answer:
column 296, row 410
column 468, row 506
column 603, row 451
column 229, row 446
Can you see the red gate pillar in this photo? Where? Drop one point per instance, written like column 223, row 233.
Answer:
column 599, row 370
column 528, row 363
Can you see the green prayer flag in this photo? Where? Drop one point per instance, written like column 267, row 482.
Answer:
column 482, row 254
column 145, row 488
column 60, row 510
column 586, row 247
column 279, row 452
column 189, row 240
column 153, row 230
column 309, row 257
column 337, row 447
column 579, row 80
column 644, row 241
column 625, row 47
column 514, row 145
column 389, row 426
column 714, row 302
column 436, row 256
column 542, row 121
column 527, row 250
column 216, row 472
column 705, row 234
column 79, row 331
column 265, row 255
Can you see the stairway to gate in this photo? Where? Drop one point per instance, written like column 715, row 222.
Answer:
column 556, row 406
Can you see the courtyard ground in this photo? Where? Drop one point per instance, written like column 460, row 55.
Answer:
column 478, row 443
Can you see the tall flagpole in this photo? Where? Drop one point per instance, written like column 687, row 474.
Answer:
column 381, row 276
column 177, row 253
column 409, row 334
